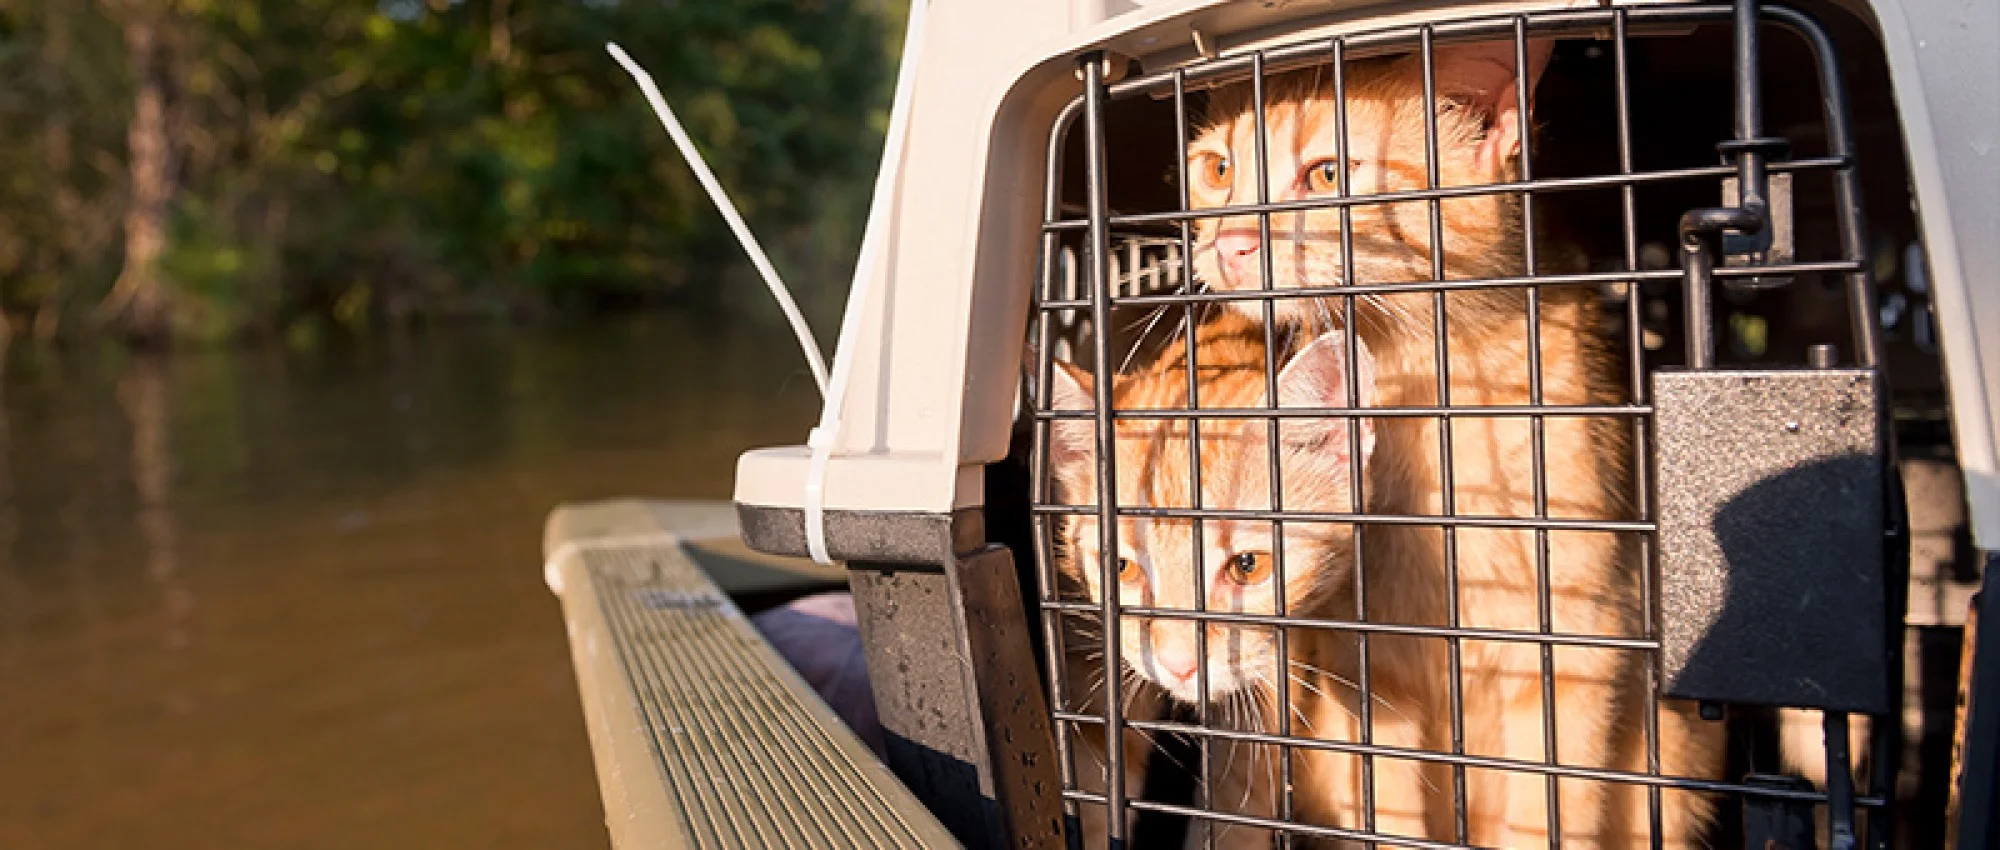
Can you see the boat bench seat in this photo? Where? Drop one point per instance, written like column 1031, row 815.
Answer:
column 703, row 736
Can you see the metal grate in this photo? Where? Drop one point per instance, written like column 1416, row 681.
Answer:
column 1069, row 318
column 747, row 763
column 1139, row 265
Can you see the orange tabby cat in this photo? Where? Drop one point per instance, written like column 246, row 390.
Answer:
column 1161, row 561
column 1593, row 578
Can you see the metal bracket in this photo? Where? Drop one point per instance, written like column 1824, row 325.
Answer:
column 1771, row 512
column 1774, row 245
column 1776, row 823
column 963, row 714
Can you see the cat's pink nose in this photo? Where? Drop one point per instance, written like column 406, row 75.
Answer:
column 1178, row 661
column 1238, row 251
column 1235, row 244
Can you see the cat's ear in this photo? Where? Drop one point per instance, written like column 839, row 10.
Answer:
column 1318, row 377
column 1071, row 441
column 1483, row 77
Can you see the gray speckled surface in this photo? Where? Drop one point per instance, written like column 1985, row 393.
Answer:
column 1771, row 550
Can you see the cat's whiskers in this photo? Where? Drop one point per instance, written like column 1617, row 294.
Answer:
column 1238, row 717
column 1300, row 260
column 1143, row 320
column 1129, row 684
column 1096, row 687
column 1258, row 697
column 1134, row 684
column 1377, row 699
column 1343, row 681
column 1296, row 711
column 1153, row 320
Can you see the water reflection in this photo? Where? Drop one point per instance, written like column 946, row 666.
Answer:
column 264, row 598
column 143, row 394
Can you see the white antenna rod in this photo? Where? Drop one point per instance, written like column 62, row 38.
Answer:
column 807, row 343
column 822, row 438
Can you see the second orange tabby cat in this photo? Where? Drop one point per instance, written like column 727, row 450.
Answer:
column 1235, row 566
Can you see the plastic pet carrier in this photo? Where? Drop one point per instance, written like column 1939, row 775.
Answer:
column 1290, row 424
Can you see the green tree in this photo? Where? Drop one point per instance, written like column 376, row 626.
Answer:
column 332, row 161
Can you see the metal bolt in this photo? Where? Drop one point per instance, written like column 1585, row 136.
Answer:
column 1822, row 356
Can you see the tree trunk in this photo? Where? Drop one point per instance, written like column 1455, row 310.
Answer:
column 65, row 202
column 139, row 301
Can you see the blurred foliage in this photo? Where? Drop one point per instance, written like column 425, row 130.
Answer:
column 356, row 162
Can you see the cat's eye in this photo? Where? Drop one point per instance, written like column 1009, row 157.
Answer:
column 1212, row 170
column 1248, row 567
column 1323, row 176
column 1129, row 572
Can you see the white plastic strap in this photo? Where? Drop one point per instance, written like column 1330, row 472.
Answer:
column 822, row 439
column 749, row 242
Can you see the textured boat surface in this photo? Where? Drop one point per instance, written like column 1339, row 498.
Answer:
column 703, row 736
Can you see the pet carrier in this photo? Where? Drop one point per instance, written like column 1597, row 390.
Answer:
column 1423, row 424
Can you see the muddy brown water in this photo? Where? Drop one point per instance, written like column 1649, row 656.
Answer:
column 282, row 598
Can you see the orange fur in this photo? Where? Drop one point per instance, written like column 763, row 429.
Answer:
column 1593, row 578
column 1154, row 467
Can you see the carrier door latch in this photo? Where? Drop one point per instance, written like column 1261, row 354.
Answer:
column 1745, row 228
column 1775, row 245
column 1772, row 484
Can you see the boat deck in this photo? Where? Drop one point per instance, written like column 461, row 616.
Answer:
column 703, row 736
